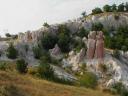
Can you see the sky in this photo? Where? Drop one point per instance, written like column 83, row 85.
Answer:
column 22, row 15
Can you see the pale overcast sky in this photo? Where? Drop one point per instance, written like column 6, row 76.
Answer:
column 22, row 15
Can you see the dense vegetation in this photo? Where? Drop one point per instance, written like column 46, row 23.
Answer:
column 111, row 8
column 12, row 53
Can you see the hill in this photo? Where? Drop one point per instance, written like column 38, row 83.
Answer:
column 14, row 84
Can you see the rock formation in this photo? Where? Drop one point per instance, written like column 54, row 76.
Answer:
column 56, row 52
column 91, row 45
column 95, row 46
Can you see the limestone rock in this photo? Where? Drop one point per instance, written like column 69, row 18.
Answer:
column 91, row 44
column 56, row 52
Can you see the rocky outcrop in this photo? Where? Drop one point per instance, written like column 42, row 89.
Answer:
column 56, row 52
column 95, row 45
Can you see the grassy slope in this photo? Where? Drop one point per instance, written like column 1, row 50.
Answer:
column 13, row 84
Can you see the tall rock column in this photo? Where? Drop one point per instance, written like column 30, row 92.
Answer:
column 91, row 45
column 99, row 52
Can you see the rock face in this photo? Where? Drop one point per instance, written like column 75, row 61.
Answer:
column 95, row 45
column 56, row 52
column 91, row 45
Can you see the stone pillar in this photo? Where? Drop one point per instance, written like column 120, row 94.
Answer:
column 99, row 52
column 91, row 44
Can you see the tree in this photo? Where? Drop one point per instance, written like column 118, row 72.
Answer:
column 37, row 52
column 97, row 26
column 113, row 8
column 121, row 8
column 45, row 70
column 8, row 35
column 83, row 33
column 126, row 6
column 63, row 42
column 96, row 11
column 83, row 14
column 21, row 66
column 12, row 53
column 46, row 24
column 107, row 8
column 48, row 41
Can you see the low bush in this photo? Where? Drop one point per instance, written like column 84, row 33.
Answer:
column 12, row 53
column 88, row 80
column 21, row 66
column 120, row 89
column 3, row 66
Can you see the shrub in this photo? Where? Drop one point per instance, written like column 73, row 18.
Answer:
column 88, row 80
column 37, row 52
column 64, row 42
column 121, row 8
column 12, row 53
column 97, row 26
column 3, row 66
column 8, row 35
column 45, row 71
column 83, row 33
column 96, row 11
column 120, row 89
column 48, row 41
column 116, row 54
column 114, row 8
column 21, row 66
column 107, row 8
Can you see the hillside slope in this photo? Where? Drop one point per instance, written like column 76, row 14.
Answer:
column 13, row 84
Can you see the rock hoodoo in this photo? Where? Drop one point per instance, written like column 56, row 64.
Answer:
column 95, row 45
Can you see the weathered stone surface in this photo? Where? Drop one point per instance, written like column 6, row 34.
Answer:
column 95, row 45
column 91, row 45
column 81, row 55
column 56, row 52
column 100, row 45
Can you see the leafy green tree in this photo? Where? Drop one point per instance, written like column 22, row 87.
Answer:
column 8, row 35
column 97, row 26
column 83, row 33
column 37, row 52
column 83, row 14
column 114, row 8
column 46, row 24
column 121, row 8
column 64, row 38
column 21, row 66
column 107, row 8
column 96, row 11
column 45, row 70
column 63, row 42
column 48, row 41
column 12, row 53
column 126, row 6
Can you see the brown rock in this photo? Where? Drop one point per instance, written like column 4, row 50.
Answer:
column 91, row 44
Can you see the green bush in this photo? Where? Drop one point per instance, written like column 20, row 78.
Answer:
column 12, row 53
column 107, row 8
column 116, row 54
column 88, row 80
column 3, row 66
column 83, row 33
column 97, row 11
column 21, row 66
column 37, row 52
column 97, row 26
column 120, row 89
column 48, row 41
